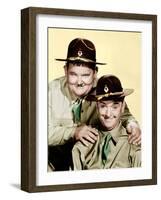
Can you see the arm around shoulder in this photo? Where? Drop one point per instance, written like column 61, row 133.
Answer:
column 60, row 123
column 135, row 155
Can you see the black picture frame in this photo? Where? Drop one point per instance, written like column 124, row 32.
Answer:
column 28, row 98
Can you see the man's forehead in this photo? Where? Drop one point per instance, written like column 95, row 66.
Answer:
column 109, row 102
column 79, row 64
column 79, row 67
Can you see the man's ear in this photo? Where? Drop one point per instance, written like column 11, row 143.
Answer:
column 123, row 106
column 95, row 78
column 95, row 74
column 65, row 70
column 97, row 105
column 97, row 108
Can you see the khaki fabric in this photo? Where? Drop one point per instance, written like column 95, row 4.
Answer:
column 121, row 154
column 61, row 125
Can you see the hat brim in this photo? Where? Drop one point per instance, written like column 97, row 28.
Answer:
column 107, row 96
column 78, row 59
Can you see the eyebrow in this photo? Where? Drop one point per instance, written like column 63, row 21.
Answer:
column 102, row 102
column 72, row 72
column 83, row 74
column 114, row 102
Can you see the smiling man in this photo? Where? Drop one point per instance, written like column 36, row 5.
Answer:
column 110, row 113
column 112, row 149
column 71, row 116
column 80, row 78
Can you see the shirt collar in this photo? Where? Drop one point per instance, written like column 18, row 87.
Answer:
column 116, row 133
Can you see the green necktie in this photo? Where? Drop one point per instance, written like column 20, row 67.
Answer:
column 106, row 148
column 76, row 109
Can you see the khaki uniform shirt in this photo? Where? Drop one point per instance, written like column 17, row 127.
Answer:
column 61, row 125
column 121, row 154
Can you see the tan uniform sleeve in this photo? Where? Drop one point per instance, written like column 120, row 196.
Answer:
column 60, row 123
column 135, row 155
column 59, row 135
column 79, row 153
column 127, row 117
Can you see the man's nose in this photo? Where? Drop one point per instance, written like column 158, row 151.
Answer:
column 79, row 80
column 108, row 112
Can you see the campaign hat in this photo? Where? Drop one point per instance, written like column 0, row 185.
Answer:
column 109, row 87
column 81, row 50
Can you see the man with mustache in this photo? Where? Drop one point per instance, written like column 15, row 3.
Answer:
column 71, row 117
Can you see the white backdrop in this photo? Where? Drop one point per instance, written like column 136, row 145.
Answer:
column 10, row 98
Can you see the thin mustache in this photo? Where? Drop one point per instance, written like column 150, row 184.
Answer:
column 106, row 117
column 80, row 85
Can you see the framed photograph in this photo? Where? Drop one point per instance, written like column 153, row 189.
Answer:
column 125, row 45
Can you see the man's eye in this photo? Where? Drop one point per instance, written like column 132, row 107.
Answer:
column 72, row 74
column 115, row 106
column 102, row 105
column 86, row 75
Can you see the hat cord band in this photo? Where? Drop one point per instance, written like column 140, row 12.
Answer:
column 79, row 58
column 92, row 49
column 108, row 94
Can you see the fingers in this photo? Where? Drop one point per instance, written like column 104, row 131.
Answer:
column 131, row 138
column 93, row 130
column 134, row 139
column 86, row 134
column 137, row 141
column 90, row 137
column 134, row 133
column 135, row 136
column 84, row 142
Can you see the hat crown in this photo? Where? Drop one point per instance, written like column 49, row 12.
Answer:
column 81, row 48
column 82, row 51
column 108, row 84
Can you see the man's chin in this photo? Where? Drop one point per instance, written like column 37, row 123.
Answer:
column 80, row 94
column 108, row 126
